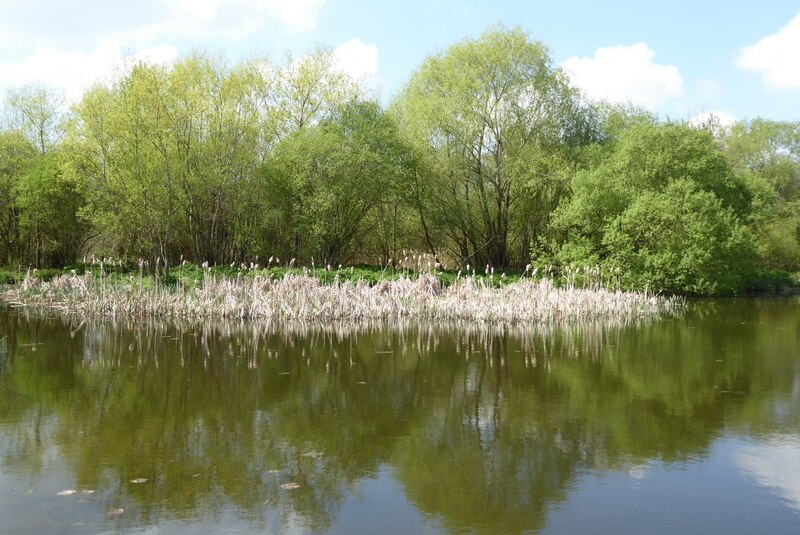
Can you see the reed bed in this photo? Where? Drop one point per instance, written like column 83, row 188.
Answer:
column 303, row 298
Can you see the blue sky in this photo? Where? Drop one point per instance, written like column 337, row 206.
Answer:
column 679, row 58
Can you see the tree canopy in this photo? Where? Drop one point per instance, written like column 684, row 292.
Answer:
column 492, row 119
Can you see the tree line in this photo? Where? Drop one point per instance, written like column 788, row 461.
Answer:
column 486, row 157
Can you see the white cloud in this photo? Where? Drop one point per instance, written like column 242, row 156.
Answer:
column 237, row 19
column 39, row 47
column 625, row 74
column 725, row 118
column 298, row 16
column 776, row 57
column 359, row 61
column 73, row 71
column 98, row 20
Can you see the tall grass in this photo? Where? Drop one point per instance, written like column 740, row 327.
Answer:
column 301, row 297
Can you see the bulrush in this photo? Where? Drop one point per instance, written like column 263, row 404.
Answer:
column 301, row 297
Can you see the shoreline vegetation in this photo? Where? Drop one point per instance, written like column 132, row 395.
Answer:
column 486, row 156
column 326, row 294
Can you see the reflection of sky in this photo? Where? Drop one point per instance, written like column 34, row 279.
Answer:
column 775, row 464
column 739, row 485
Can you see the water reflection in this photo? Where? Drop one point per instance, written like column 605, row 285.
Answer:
column 774, row 463
column 482, row 429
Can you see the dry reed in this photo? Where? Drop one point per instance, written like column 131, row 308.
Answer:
column 297, row 297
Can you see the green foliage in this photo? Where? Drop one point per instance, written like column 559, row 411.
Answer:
column 493, row 120
column 36, row 112
column 681, row 240
column 666, row 209
column 49, row 207
column 10, row 277
column 769, row 153
column 780, row 237
column 770, row 149
column 16, row 155
column 333, row 176
column 38, row 207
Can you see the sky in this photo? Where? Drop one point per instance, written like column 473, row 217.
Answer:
column 681, row 59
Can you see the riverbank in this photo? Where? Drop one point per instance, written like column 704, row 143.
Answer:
column 306, row 297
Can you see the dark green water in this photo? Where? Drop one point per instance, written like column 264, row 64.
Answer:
column 687, row 425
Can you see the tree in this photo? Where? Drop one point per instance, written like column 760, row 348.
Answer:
column 164, row 153
column 665, row 207
column 478, row 113
column 769, row 152
column 48, row 213
column 292, row 97
column 123, row 150
column 36, row 112
column 304, row 91
column 680, row 240
column 770, row 149
column 16, row 156
column 334, row 175
column 39, row 221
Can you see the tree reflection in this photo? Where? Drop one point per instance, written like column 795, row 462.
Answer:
column 485, row 427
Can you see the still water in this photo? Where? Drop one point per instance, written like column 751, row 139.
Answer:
column 684, row 425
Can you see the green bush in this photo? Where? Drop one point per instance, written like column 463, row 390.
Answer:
column 681, row 241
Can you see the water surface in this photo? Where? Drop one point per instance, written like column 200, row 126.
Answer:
column 686, row 425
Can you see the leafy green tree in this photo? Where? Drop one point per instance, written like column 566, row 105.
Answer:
column 694, row 242
column 37, row 112
column 477, row 113
column 16, row 156
column 303, row 91
column 680, row 240
column 48, row 213
column 290, row 97
column 769, row 151
column 164, row 154
column 334, row 175
column 133, row 198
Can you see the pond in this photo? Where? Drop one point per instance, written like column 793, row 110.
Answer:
column 688, row 424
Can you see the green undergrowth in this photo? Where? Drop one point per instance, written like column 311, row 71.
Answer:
column 190, row 275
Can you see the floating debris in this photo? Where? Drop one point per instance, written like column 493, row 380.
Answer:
column 139, row 480
column 115, row 512
column 67, row 492
column 291, row 485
